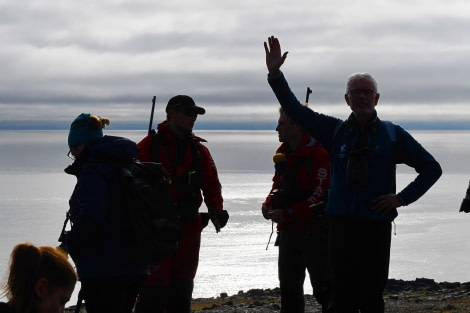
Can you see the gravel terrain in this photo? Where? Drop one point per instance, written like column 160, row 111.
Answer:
column 419, row 296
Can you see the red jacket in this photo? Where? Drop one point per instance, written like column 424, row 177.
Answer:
column 210, row 185
column 309, row 182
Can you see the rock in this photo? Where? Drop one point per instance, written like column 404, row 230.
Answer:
column 423, row 295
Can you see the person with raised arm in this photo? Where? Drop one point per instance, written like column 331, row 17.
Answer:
column 362, row 201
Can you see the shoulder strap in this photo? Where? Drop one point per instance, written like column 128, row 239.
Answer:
column 391, row 130
column 339, row 128
column 155, row 145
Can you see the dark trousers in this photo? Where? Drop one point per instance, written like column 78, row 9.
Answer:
column 111, row 294
column 302, row 250
column 359, row 253
column 174, row 298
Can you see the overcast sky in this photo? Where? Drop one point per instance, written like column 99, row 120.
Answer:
column 60, row 58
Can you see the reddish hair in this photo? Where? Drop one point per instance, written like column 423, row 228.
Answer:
column 28, row 264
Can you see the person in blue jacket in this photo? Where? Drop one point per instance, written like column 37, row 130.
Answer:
column 363, row 200
column 96, row 242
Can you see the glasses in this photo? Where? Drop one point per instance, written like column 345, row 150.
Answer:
column 358, row 92
column 70, row 155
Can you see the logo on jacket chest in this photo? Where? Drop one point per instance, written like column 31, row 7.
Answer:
column 342, row 151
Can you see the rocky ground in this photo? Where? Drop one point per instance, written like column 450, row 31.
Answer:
column 419, row 296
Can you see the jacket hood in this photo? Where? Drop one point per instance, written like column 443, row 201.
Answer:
column 106, row 148
column 118, row 148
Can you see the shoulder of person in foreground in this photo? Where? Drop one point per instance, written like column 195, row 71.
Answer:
column 144, row 149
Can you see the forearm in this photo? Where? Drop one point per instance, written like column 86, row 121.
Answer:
column 320, row 126
column 422, row 183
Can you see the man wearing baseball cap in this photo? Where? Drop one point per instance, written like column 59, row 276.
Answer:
column 193, row 174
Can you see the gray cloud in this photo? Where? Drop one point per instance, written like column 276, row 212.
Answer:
column 59, row 58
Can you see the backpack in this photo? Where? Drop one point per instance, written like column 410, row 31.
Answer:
column 154, row 228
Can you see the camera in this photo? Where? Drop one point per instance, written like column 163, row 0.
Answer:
column 279, row 199
column 357, row 169
column 465, row 206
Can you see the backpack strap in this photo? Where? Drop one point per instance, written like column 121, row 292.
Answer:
column 189, row 183
column 155, row 145
column 391, row 130
column 392, row 134
column 158, row 140
column 339, row 129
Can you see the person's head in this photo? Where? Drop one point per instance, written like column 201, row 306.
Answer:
column 362, row 95
column 84, row 129
column 41, row 279
column 182, row 113
column 288, row 131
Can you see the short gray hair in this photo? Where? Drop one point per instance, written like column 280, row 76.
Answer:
column 358, row 76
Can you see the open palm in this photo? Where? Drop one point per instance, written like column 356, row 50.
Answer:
column 274, row 57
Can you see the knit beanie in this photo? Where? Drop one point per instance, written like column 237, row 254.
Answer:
column 81, row 132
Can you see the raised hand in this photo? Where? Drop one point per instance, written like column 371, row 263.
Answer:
column 274, row 57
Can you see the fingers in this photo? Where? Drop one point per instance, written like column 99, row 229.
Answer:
column 273, row 45
column 385, row 204
column 217, row 226
column 274, row 57
column 266, row 49
column 265, row 211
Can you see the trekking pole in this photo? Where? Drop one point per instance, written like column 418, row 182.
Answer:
column 79, row 301
column 151, row 115
column 309, row 91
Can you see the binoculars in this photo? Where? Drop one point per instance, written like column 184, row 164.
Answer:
column 357, row 171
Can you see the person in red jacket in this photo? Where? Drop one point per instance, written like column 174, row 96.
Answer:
column 194, row 179
column 300, row 182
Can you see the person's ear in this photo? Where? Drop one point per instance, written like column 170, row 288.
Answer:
column 171, row 114
column 40, row 288
column 346, row 98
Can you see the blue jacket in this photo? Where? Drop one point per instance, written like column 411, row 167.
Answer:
column 96, row 242
column 385, row 150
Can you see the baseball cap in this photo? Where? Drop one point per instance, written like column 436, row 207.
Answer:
column 185, row 103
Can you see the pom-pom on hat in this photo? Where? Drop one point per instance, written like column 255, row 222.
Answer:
column 185, row 103
column 82, row 131
column 280, row 162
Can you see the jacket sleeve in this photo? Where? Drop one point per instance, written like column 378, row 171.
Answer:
column 320, row 126
column 276, row 185
column 144, row 148
column 88, row 209
column 411, row 153
column 321, row 182
column 211, row 187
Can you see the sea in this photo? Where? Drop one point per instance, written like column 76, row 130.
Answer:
column 430, row 237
